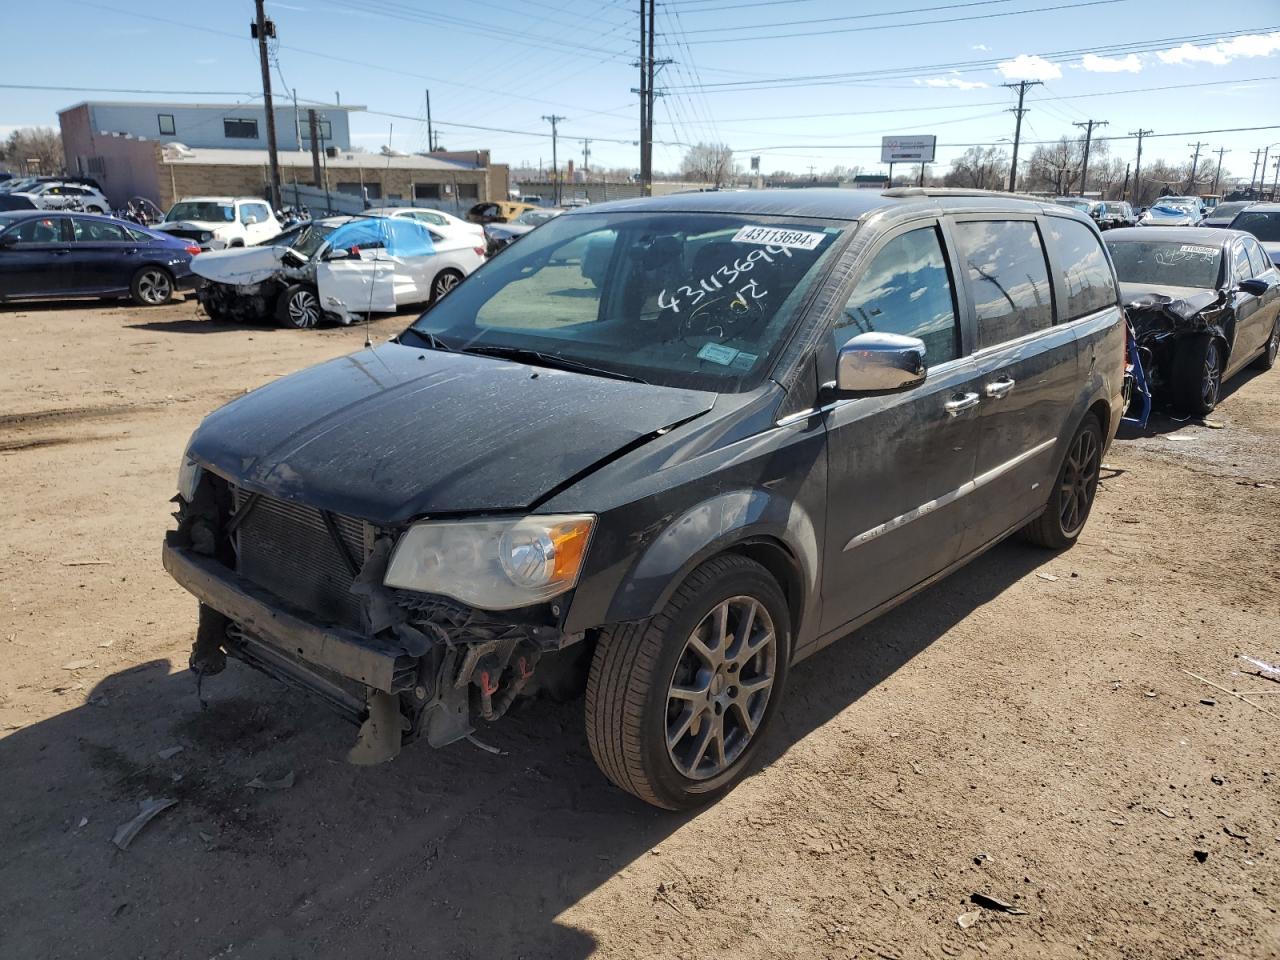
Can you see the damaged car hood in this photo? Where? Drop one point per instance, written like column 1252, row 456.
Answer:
column 1153, row 309
column 239, row 265
column 396, row 432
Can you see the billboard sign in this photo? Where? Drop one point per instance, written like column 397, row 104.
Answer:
column 907, row 149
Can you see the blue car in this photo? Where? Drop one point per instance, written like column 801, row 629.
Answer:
column 46, row 253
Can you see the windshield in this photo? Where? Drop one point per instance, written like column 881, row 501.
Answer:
column 1114, row 207
column 206, row 210
column 304, row 240
column 1166, row 262
column 695, row 300
column 531, row 218
column 1225, row 211
column 1168, row 210
column 1263, row 225
column 1081, row 205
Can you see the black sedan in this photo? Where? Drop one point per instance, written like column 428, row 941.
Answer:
column 1203, row 303
column 44, row 254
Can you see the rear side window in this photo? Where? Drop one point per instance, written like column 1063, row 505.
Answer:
column 1006, row 271
column 98, row 231
column 1086, row 274
column 906, row 290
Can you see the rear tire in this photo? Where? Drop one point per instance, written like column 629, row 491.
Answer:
column 151, row 287
column 298, row 307
column 1071, row 499
column 445, row 281
column 677, row 705
column 1267, row 359
column 1197, row 374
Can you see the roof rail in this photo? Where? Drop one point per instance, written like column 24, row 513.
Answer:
column 952, row 192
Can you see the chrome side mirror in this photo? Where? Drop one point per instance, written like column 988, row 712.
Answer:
column 879, row 363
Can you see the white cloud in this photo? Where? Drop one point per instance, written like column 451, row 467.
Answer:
column 1096, row 64
column 1224, row 51
column 953, row 81
column 1029, row 67
column 980, row 46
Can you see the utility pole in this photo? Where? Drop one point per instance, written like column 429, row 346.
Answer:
column 648, row 134
column 1017, row 111
column 643, row 63
column 1275, row 183
column 1088, row 126
column 553, row 119
column 314, row 126
column 1124, row 191
column 1256, row 154
column 1262, row 180
column 1137, row 166
column 297, row 121
column 1195, row 163
column 261, row 29
column 1218, row 172
column 586, row 156
column 431, row 139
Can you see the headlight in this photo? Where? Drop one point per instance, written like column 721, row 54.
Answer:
column 206, row 236
column 492, row 564
column 188, row 478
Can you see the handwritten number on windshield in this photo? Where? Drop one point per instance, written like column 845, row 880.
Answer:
column 728, row 273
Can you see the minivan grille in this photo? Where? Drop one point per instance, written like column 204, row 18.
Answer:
column 286, row 548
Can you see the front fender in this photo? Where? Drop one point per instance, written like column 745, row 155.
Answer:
column 730, row 519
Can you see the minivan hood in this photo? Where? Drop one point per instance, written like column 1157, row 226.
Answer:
column 396, row 432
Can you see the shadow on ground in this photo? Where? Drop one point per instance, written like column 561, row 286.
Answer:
column 450, row 853
column 1165, row 419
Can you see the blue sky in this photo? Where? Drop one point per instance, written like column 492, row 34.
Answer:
column 757, row 75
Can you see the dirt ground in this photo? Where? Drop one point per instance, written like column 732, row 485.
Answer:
column 1028, row 729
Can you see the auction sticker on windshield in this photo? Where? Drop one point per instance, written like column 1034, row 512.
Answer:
column 1200, row 251
column 779, row 237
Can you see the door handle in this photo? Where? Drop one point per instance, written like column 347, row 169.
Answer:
column 960, row 403
column 1000, row 388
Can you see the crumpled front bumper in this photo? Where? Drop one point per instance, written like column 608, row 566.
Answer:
column 288, row 632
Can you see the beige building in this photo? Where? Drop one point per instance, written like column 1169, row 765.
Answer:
column 127, row 166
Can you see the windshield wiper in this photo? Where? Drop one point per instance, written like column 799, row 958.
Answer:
column 429, row 339
column 539, row 359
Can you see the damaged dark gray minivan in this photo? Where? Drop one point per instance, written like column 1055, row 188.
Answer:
column 658, row 451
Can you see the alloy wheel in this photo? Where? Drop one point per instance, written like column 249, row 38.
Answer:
column 154, row 287
column 1079, row 481
column 1211, row 379
column 304, row 309
column 1273, row 345
column 720, row 688
column 446, row 282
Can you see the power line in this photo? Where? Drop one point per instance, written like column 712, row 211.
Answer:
column 909, row 23
column 872, row 16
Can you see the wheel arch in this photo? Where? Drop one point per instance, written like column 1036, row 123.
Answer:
column 757, row 524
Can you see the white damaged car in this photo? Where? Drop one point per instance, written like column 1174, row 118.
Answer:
column 215, row 223
column 335, row 269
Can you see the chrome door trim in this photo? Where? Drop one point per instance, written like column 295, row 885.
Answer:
column 946, row 499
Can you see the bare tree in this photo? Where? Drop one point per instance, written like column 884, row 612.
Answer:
column 985, row 168
column 708, row 163
column 34, row 150
column 1055, row 166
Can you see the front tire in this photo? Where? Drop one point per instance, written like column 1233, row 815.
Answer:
column 1267, row 359
column 677, row 705
column 298, row 307
column 151, row 287
column 1197, row 374
column 1071, row 498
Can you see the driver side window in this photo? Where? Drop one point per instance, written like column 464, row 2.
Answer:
column 906, row 290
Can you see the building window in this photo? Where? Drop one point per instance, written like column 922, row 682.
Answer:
column 323, row 127
column 426, row 191
column 240, row 129
column 166, row 124
column 468, row 191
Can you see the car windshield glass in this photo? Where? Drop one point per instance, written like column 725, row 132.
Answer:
column 1082, row 205
column 532, row 218
column 1263, row 225
column 1166, row 262
column 695, row 300
column 201, row 210
column 1169, row 210
column 304, row 240
column 1225, row 211
column 1114, row 207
